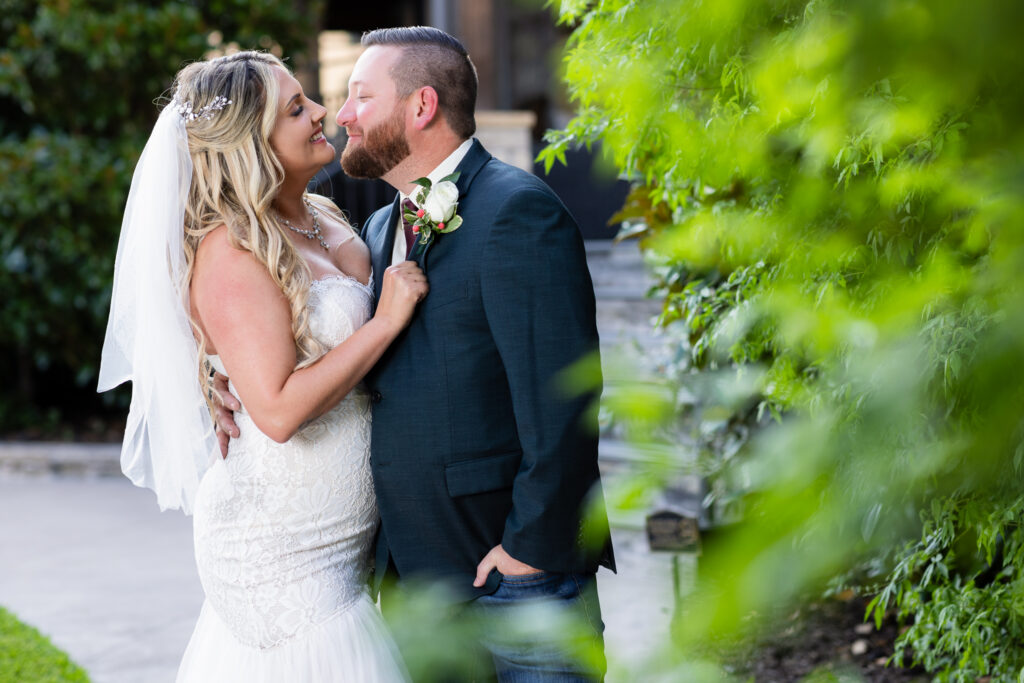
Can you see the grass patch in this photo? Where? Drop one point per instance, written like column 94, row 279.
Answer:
column 28, row 655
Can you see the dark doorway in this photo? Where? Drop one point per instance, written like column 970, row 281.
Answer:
column 591, row 196
column 366, row 16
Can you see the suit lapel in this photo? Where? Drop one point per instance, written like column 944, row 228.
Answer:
column 470, row 165
column 382, row 244
column 468, row 168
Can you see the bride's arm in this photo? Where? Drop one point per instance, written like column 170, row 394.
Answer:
column 248, row 321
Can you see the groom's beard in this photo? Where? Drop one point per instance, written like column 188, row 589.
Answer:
column 384, row 146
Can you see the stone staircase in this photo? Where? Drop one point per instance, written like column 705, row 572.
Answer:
column 625, row 317
column 621, row 281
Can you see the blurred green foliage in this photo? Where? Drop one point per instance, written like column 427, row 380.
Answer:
column 831, row 196
column 440, row 637
column 78, row 82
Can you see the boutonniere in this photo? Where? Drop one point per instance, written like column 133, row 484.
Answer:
column 436, row 213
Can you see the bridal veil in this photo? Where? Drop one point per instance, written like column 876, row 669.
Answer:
column 169, row 439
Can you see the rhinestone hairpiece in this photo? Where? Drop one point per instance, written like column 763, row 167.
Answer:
column 206, row 113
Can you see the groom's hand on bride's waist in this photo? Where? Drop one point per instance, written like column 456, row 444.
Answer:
column 503, row 562
column 225, row 404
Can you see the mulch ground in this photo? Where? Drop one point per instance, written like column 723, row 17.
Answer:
column 825, row 636
column 87, row 429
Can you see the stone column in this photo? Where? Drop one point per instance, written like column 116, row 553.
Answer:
column 506, row 135
column 440, row 15
column 475, row 26
column 338, row 51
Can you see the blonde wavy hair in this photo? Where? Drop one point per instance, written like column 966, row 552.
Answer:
column 236, row 176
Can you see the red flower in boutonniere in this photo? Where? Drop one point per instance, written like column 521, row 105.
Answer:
column 437, row 206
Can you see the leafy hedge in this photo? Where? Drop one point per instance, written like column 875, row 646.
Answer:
column 831, row 196
column 77, row 85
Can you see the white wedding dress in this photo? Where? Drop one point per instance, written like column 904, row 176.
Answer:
column 283, row 539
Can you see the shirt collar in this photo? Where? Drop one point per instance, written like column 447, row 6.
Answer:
column 448, row 166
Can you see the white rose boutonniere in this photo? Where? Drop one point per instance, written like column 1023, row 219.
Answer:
column 436, row 213
column 441, row 201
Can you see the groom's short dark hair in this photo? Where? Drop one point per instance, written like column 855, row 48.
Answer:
column 432, row 57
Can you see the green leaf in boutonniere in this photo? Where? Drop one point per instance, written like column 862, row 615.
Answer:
column 450, row 226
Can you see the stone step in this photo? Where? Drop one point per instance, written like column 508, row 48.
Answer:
column 103, row 459
column 624, row 322
column 618, row 270
column 56, row 458
column 624, row 312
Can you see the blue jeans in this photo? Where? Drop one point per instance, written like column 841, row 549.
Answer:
column 545, row 627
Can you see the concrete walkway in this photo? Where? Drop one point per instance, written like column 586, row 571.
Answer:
column 93, row 563
column 90, row 560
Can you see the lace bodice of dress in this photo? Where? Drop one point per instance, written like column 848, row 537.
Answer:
column 283, row 531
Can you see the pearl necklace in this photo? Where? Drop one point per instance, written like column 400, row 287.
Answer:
column 309, row 234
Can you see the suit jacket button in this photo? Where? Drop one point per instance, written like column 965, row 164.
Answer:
column 375, row 396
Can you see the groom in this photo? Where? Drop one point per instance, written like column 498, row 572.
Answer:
column 484, row 462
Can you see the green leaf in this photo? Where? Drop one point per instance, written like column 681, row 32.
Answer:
column 453, row 224
column 871, row 521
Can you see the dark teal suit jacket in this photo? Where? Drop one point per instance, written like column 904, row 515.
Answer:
column 476, row 441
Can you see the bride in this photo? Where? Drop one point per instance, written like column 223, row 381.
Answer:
column 225, row 261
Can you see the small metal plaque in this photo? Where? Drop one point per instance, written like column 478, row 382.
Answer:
column 667, row 530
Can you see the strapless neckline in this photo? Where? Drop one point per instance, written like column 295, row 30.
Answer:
column 343, row 276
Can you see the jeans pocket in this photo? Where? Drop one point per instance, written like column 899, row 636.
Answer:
column 525, row 579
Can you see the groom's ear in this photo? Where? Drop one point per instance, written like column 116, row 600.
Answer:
column 425, row 107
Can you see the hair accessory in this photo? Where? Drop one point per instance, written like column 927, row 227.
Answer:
column 206, row 113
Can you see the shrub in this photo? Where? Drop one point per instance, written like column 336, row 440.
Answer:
column 77, row 85
column 830, row 195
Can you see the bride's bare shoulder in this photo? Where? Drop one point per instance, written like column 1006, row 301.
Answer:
column 217, row 252
column 215, row 245
column 225, row 271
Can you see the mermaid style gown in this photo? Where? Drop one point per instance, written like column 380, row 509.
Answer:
column 283, row 540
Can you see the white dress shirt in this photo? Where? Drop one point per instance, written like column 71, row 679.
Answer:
column 446, row 167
